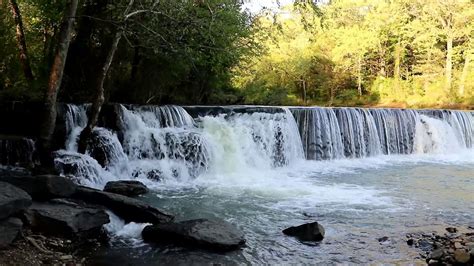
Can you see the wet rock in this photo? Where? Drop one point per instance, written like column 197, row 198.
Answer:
column 9, row 230
column 306, row 232
column 65, row 219
column 12, row 200
column 129, row 209
column 461, row 256
column 216, row 235
column 128, row 188
column 451, row 230
column 43, row 187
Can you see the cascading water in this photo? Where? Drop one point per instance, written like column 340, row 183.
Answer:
column 166, row 143
column 335, row 133
column 162, row 143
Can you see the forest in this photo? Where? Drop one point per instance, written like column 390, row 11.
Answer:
column 402, row 53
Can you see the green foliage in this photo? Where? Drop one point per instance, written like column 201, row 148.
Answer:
column 394, row 52
column 347, row 52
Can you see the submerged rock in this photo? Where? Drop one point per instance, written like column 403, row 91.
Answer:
column 128, row 188
column 9, row 230
column 129, row 209
column 63, row 218
column 200, row 233
column 43, row 187
column 12, row 200
column 306, row 232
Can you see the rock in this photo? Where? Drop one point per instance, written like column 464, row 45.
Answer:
column 43, row 187
column 461, row 256
column 12, row 200
column 306, row 232
column 451, row 230
column 433, row 262
column 9, row 230
column 65, row 219
column 383, row 239
column 214, row 235
column 410, row 242
column 457, row 245
column 129, row 209
column 437, row 254
column 128, row 188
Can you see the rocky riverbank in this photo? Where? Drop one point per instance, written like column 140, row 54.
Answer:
column 455, row 246
column 48, row 219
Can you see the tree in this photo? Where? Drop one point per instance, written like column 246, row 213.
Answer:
column 20, row 37
column 55, row 78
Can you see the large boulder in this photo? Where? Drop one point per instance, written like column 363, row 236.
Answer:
column 12, row 200
column 130, row 188
column 129, row 209
column 201, row 233
column 65, row 219
column 42, row 187
column 9, row 230
column 306, row 232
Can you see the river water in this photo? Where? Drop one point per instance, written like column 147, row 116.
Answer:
column 363, row 174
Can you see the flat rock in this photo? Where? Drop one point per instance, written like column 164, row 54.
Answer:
column 42, row 187
column 306, row 232
column 215, row 235
column 9, row 230
column 130, row 188
column 129, row 209
column 12, row 200
column 66, row 219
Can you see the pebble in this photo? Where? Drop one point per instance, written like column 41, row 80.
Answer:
column 457, row 245
column 451, row 229
column 461, row 256
column 437, row 254
column 66, row 257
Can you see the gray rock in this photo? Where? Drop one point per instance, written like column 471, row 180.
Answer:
column 306, row 232
column 461, row 256
column 129, row 209
column 9, row 230
column 12, row 200
column 42, row 187
column 216, row 235
column 437, row 254
column 66, row 219
column 128, row 188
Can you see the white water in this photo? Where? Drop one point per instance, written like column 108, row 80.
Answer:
column 262, row 154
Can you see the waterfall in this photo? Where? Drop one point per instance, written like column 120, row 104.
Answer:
column 17, row 151
column 334, row 133
column 165, row 143
column 75, row 121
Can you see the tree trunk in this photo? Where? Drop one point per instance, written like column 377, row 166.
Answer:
column 396, row 71
column 359, row 75
column 55, row 78
column 465, row 70
column 135, row 62
column 449, row 61
column 99, row 99
column 20, row 38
